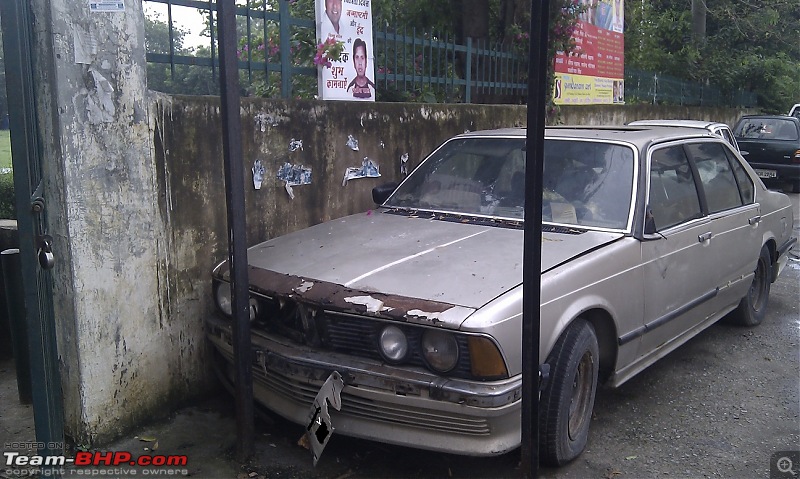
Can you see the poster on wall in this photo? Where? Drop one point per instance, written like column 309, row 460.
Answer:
column 351, row 76
column 594, row 74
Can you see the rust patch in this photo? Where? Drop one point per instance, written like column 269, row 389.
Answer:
column 335, row 297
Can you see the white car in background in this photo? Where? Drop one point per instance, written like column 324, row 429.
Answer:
column 795, row 111
column 717, row 128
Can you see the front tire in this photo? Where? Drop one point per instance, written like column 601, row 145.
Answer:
column 568, row 399
column 753, row 307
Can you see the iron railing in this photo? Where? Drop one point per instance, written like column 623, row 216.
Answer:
column 408, row 66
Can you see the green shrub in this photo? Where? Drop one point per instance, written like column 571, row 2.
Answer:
column 8, row 209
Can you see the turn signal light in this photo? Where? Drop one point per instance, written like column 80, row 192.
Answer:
column 486, row 359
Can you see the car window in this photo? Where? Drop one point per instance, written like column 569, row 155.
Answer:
column 744, row 181
column 767, row 129
column 586, row 183
column 728, row 135
column 673, row 196
column 716, row 176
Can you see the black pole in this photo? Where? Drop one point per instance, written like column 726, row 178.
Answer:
column 237, row 233
column 532, row 252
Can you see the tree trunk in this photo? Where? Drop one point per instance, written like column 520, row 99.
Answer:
column 699, row 21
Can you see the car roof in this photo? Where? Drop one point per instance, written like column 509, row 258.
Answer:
column 687, row 123
column 637, row 135
column 777, row 117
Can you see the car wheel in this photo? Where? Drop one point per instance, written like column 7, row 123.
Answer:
column 567, row 401
column 753, row 307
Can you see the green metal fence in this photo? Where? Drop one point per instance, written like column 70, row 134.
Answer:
column 277, row 49
column 655, row 88
column 277, row 52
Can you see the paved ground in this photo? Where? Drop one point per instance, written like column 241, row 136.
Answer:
column 719, row 406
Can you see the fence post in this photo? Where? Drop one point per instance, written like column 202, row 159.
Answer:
column 286, row 61
column 468, row 76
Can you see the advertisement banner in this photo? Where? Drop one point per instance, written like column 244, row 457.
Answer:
column 594, row 73
column 351, row 76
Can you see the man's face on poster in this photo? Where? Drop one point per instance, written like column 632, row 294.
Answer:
column 360, row 60
column 333, row 8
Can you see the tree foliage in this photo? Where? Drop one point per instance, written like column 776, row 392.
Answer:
column 749, row 45
column 186, row 79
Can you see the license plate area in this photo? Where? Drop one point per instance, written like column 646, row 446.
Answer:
column 766, row 173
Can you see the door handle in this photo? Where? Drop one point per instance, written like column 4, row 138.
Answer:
column 705, row 237
column 754, row 220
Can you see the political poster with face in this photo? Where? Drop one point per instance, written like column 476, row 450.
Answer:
column 347, row 23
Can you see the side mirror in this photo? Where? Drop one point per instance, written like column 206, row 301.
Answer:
column 382, row 192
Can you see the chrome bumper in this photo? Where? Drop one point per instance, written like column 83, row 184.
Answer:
column 381, row 403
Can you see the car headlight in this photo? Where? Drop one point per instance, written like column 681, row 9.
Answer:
column 440, row 350
column 393, row 344
column 223, row 298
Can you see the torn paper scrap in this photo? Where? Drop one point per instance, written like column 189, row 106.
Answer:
column 404, row 164
column 295, row 145
column 294, row 175
column 289, row 190
column 368, row 169
column 258, row 174
column 352, row 143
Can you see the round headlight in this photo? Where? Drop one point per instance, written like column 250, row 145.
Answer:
column 440, row 350
column 222, row 296
column 393, row 343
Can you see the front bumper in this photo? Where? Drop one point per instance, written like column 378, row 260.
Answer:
column 379, row 402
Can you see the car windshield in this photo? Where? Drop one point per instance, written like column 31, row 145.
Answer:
column 767, row 129
column 586, row 183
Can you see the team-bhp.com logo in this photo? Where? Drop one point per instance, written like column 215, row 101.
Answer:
column 15, row 460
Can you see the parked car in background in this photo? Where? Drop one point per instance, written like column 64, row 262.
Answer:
column 413, row 312
column 771, row 144
column 717, row 128
column 795, row 110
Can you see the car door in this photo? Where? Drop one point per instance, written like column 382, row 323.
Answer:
column 734, row 219
column 678, row 263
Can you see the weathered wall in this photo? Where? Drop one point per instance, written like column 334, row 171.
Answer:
column 619, row 115
column 123, row 359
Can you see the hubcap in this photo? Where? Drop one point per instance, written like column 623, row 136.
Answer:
column 759, row 286
column 581, row 395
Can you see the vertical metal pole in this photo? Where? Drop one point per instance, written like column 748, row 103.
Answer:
column 468, row 71
column 286, row 60
column 20, row 55
column 532, row 253
column 237, row 233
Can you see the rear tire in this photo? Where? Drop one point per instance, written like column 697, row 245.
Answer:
column 568, row 400
column 753, row 307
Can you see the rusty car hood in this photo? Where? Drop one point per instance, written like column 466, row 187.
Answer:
column 458, row 263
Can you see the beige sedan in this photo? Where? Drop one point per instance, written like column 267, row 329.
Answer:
column 408, row 320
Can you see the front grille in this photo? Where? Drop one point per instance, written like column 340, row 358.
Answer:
column 350, row 334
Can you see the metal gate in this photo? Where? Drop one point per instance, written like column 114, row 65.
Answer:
column 35, row 245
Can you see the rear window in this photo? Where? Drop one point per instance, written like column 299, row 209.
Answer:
column 767, row 129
